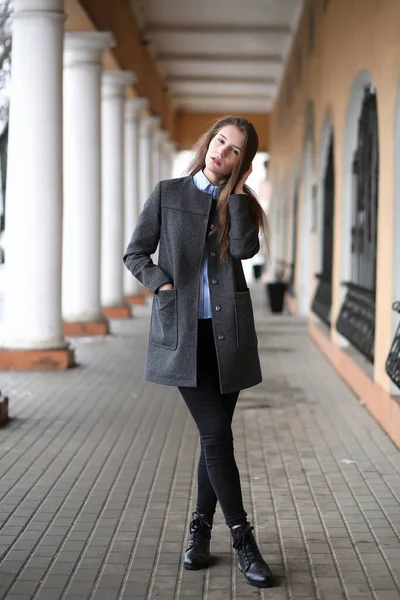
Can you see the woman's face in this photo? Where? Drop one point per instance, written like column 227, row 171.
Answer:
column 222, row 154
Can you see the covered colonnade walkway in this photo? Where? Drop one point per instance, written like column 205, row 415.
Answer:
column 103, row 96
column 98, row 467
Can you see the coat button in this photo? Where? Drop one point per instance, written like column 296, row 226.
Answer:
column 213, row 254
column 217, row 308
column 214, row 281
column 221, row 337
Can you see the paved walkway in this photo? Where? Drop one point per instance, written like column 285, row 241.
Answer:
column 97, row 480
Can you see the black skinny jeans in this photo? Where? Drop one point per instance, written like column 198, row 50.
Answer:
column 218, row 475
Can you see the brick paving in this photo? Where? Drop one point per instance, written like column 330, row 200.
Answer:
column 97, row 480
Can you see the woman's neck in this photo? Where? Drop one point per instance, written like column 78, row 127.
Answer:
column 212, row 178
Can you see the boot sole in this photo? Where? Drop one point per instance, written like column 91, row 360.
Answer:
column 197, row 567
column 260, row 585
column 268, row 584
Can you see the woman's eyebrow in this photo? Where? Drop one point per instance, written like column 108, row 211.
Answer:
column 233, row 145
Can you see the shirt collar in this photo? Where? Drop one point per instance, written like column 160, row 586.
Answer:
column 201, row 181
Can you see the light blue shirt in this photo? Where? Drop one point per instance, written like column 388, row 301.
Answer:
column 201, row 181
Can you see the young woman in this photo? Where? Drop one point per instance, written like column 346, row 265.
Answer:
column 202, row 335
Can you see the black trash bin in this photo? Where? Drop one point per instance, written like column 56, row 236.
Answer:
column 276, row 295
column 257, row 271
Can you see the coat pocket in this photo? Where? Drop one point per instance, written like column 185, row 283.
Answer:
column 164, row 320
column 245, row 329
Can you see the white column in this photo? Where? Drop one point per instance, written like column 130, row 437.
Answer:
column 146, row 158
column 133, row 107
column 171, row 151
column 164, row 158
column 156, row 155
column 82, row 176
column 113, row 102
column 32, row 312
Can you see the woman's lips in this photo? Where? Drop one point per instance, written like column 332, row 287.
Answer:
column 216, row 161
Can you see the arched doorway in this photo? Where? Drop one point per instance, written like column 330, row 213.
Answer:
column 322, row 302
column 356, row 321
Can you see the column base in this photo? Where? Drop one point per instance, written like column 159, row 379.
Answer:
column 58, row 359
column 86, row 328
column 135, row 300
column 123, row 311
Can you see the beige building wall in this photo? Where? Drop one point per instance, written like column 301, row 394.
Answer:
column 190, row 126
column 340, row 46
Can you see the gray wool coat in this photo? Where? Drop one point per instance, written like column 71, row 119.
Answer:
column 179, row 218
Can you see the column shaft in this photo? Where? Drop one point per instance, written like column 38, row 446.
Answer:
column 113, row 239
column 82, row 183
column 171, row 150
column 164, row 171
column 146, row 158
column 32, row 311
column 133, row 107
column 156, row 155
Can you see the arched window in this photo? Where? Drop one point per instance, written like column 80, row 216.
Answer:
column 356, row 320
column 322, row 302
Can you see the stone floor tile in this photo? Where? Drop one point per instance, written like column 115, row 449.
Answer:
column 98, row 477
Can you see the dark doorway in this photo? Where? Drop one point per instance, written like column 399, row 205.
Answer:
column 322, row 302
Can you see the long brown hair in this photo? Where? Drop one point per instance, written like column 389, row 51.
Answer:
column 198, row 163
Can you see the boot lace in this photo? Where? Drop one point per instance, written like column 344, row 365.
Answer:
column 199, row 532
column 247, row 544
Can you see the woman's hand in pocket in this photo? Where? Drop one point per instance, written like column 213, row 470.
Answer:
column 165, row 287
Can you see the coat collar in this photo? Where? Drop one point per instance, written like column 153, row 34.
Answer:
column 189, row 197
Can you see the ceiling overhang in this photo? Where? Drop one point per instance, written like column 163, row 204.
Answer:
column 219, row 57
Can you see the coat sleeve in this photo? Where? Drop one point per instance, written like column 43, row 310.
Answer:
column 144, row 242
column 244, row 242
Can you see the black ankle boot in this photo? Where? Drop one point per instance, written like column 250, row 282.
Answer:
column 197, row 555
column 250, row 562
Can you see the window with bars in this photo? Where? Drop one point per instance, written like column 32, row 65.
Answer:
column 356, row 321
column 365, row 197
column 322, row 302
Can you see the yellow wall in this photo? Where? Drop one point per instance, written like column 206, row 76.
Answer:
column 190, row 126
column 351, row 36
